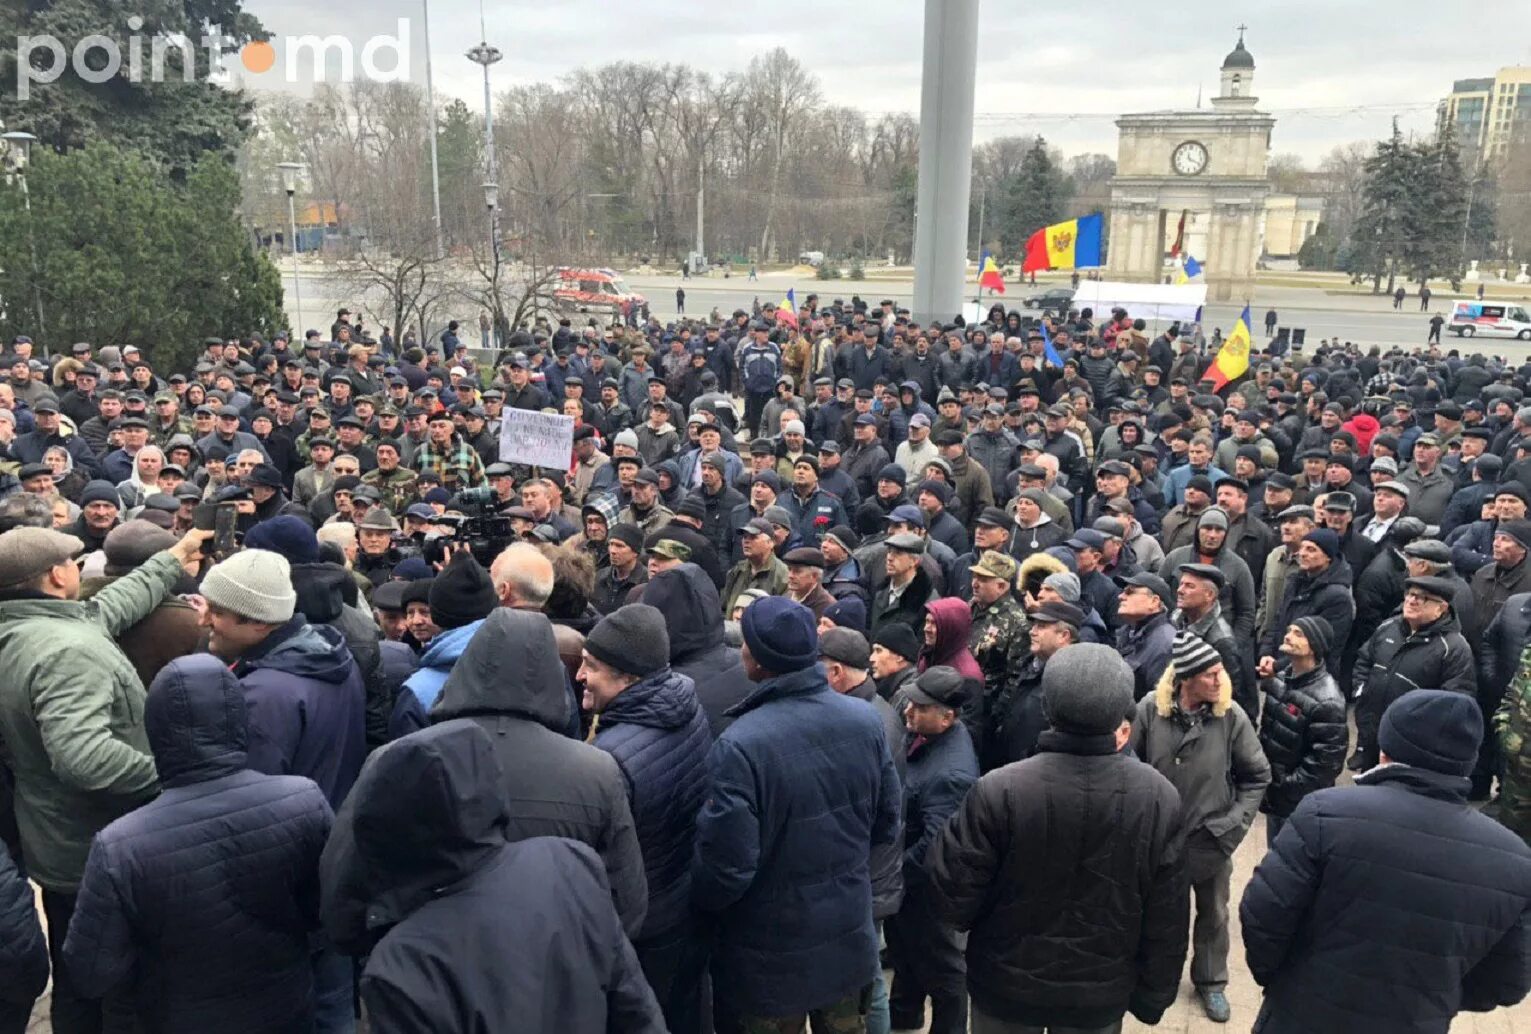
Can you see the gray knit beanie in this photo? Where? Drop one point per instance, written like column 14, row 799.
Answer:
column 253, row 583
column 1086, row 689
column 128, row 545
column 632, row 639
column 1065, row 584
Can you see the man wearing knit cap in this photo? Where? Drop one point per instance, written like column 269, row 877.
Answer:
column 1494, row 583
column 1190, row 730
column 613, row 582
column 896, row 649
column 1422, row 647
column 1210, row 546
column 1321, row 587
column 1302, row 726
column 648, row 718
column 813, row 510
column 927, row 952
column 459, row 598
column 1398, row 871
column 802, row 780
column 1075, row 908
column 71, row 715
column 100, row 506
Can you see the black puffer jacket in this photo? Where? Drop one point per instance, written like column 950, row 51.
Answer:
column 481, row 930
column 1327, row 596
column 1388, row 906
column 657, row 732
column 23, row 953
column 1498, row 654
column 693, row 614
column 206, row 896
column 1006, row 867
column 1304, row 735
column 510, row 682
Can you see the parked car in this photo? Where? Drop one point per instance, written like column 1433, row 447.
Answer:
column 1052, row 298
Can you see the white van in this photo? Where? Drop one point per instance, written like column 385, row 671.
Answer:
column 1491, row 319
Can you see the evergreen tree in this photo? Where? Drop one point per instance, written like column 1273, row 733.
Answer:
column 1033, row 197
column 124, row 255
column 1437, row 209
column 174, row 121
column 1381, row 234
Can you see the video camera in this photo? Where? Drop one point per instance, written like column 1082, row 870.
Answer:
column 486, row 531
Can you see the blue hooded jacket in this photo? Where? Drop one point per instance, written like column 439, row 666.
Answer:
column 307, row 707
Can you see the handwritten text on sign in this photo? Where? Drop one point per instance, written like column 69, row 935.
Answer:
column 538, row 439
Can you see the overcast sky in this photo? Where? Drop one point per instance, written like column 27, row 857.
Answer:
column 1332, row 71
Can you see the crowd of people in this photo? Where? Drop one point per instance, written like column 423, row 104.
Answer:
column 842, row 646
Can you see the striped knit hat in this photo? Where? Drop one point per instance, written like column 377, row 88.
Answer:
column 1191, row 655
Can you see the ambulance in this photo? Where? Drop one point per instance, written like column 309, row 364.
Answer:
column 589, row 290
column 1491, row 319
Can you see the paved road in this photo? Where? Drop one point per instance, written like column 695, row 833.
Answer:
column 1362, row 318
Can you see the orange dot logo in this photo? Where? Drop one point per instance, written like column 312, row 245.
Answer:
column 258, row 56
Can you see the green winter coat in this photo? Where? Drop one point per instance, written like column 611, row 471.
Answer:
column 72, row 717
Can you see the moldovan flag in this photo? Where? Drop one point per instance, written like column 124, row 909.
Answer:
column 1070, row 245
column 1189, row 269
column 786, row 312
column 1232, row 359
column 989, row 275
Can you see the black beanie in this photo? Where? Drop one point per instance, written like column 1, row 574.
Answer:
column 1319, row 633
column 630, row 535
column 899, row 638
column 461, row 594
column 631, row 639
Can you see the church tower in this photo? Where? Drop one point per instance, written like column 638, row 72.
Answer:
column 1238, row 80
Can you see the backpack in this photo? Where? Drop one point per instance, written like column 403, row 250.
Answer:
column 760, row 369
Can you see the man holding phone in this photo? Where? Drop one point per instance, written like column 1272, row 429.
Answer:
column 71, row 715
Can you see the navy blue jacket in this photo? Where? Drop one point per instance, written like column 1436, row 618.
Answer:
column 656, row 730
column 940, row 771
column 1390, row 905
column 204, row 898
column 802, row 785
column 23, row 953
column 307, row 707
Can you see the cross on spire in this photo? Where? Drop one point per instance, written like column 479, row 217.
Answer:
column 1241, row 29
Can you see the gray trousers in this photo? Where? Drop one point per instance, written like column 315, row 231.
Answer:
column 986, row 1024
column 1209, row 928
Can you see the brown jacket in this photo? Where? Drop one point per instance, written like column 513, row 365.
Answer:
column 170, row 631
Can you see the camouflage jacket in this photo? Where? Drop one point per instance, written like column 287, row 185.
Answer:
column 160, row 434
column 1512, row 724
column 398, row 487
column 1000, row 641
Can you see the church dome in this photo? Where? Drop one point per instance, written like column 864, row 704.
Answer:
column 1238, row 57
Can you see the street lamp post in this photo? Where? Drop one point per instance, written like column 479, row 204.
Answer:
column 430, row 110
column 20, row 144
column 485, row 56
column 491, row 202
column 290, row 172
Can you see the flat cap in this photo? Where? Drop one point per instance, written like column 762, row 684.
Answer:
column 27, row 552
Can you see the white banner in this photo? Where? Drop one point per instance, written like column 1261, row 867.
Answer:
column 535, row 438
column 1149, row 301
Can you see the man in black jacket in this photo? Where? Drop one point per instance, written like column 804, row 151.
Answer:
column 1422, row 648
column 1395, row 882
column 1068, row 869
column 1302, row 728
column 479, row 929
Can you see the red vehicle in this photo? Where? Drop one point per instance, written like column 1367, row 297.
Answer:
column 586, row 290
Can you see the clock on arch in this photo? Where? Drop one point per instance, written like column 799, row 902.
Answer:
column 1189, row 159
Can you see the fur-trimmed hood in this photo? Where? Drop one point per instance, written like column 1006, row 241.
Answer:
column 1036, row 569
column 1164, row 693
